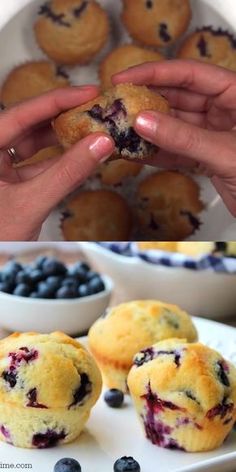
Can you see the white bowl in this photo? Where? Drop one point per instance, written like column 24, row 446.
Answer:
column 70, row 316
column 201, row 293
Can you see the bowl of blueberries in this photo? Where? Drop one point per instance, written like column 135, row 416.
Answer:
column 46, row 295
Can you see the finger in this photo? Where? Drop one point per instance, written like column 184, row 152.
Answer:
column 184, row 100
column 216, row 149
column 191, row 75
column 166, row 160
column 51, row 186
column 30, row 171
column 197, row 119
column 19, row 119
column 41, row 138
column 227, row 197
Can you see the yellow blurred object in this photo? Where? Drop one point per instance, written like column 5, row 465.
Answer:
column 42, row 155
column 162, row 246
column 195, row 249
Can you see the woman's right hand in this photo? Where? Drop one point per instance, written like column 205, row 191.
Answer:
column 201, row 130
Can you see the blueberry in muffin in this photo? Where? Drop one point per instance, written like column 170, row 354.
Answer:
column 113, row 113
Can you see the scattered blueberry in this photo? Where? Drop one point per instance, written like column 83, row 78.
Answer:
column 66, row 292
column 126, row 464
column 22, row 290
column 114, row 398
column 67, row 465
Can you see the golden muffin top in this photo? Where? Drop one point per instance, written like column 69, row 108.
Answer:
column 47, row 371
column 132, row 326
column 190, row 376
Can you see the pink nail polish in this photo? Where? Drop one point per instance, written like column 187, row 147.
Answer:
column 102, row 148
column 147, row 124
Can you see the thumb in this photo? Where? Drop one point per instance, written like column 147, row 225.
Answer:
column 179, row 137
column 51, row 186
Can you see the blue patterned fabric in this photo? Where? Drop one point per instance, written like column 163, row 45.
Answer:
column 169, row 259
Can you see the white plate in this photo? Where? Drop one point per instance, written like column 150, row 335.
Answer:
column 17, row 44
column 111, row 434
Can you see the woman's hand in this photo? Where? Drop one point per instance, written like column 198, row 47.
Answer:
column 201, row 131
column 28, row 194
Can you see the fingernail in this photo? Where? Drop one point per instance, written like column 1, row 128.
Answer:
column 102, row 148
column 147, row 124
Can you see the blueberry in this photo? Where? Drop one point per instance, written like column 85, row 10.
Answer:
column 6, row 287
column 96, row 285
column 22, row 290
column 126, row 464
column 54, row 282
column 79, row 271
column 53, row 267
column 23, row 277
column 12, row 266
column 114, row 398
column 40, row 261
column 91, row 275
column 84, row 290
column 66, row 292
column 45, row 291
column 35, row 295
column 36, row 275
column 70, row 282
column 67, row 465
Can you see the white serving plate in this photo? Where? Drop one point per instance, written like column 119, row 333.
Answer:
column 111, row 434
column 201, row 293
column 17, row 44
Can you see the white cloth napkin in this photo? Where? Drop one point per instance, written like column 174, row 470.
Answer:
column 9, row 8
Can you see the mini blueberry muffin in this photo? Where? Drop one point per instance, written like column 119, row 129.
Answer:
column 48, row 385
column 168, row 206
column 184, row 394
column 125, row 329
column 212, row 46
column 40, row 156
column 156, row 22
column 115, row 172
column 97, row 215
column 122, row 58
column 71, row 31
column 162, row 246
column 32, row 79
column 113, row 113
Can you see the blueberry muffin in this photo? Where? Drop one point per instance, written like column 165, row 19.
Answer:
column 113, row 113
column 48, row 385
column 168, row 206
column 40, row 156
column 160, row 246
column 32, row 79
column 156, row 22
column 122, row 58
column 97, row 215
column 115, row 172
column 71, row 31
column 125, row 329
column 211, row 46
column 184, row 394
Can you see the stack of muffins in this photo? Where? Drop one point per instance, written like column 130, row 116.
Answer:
column 184, row 392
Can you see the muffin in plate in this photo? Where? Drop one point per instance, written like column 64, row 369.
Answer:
column 185, row 395
column 212, row 46
column 71, row 31
column 156, row 22
column 48, row 385
column 129, row 327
